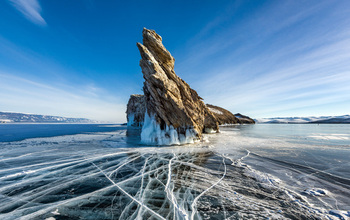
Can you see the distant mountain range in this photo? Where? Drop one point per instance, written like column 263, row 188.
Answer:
column 10, row 117
column 303, row 120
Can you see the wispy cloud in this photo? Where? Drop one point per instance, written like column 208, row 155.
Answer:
column 284, row 60
column 30, row 9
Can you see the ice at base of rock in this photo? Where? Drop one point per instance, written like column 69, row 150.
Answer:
column 131, row 119
column 210, row 131
column 152, row 134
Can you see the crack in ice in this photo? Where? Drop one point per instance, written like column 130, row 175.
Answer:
column 170, row 193
column 194, row 203
column 127, row 194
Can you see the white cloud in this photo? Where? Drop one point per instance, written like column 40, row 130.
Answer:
column 277, row 61
column 30, row 9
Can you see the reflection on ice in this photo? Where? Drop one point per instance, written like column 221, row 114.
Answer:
column 103, row 177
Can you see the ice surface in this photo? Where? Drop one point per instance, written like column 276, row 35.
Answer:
column 229, row 176
column 331, row 136
column 316, row 192
column 344, row 215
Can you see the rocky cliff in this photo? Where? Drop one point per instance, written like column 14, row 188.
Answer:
column 224, row 116
column 170, row 112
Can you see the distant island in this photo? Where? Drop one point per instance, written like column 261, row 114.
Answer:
column 343, row 119
column 12, row 117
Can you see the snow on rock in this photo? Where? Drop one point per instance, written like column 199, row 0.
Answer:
column 216, row 111
column 225, row 117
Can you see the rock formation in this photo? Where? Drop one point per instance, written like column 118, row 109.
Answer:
column 135, row 110
column 170, row 112
column 222, row 115
column 243, row 119
column 174, row 113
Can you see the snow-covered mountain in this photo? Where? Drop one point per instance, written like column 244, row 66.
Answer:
column 303, row 120
column 11, row 117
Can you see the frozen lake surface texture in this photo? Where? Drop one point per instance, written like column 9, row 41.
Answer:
column 263, row 171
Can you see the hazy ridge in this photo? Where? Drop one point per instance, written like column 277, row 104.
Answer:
column 12, row 117
column 343, row 119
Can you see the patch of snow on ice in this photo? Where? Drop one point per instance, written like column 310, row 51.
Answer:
column 330, row 136
column 267, row 180
column 55, row 212
column 340, row 214
column 18, row 174
column 316, row 192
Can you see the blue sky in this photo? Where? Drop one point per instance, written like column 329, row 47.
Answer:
column 260, row 58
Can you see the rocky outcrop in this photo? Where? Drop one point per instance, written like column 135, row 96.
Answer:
column 243, row 119
column 175, row 113
column 135, row 110
column 224, row 116
column 170, row 111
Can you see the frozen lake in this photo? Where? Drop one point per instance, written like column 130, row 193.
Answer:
column 276, row 171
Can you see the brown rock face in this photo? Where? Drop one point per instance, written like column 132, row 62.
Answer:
column 171, row 105
column 135, row 111
column 224, row 116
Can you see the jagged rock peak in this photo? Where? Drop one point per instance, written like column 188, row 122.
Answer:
column 154, row 44
column 174, row 112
